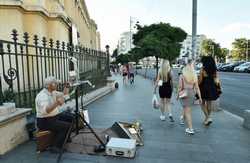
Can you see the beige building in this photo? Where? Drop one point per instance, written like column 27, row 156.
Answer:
column 64, row 20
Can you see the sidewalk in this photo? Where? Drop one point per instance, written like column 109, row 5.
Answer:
column 225, row 141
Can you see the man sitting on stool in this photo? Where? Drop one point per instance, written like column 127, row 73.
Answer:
column 48, row 102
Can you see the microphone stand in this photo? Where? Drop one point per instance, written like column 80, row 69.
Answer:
column 102, row 145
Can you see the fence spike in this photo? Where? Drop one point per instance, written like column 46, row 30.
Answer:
column 57, row 44
column 26, row 37
column 51, row 43
column 36, row 40
column 63, row 45
column 44, row 41
column 14, row 34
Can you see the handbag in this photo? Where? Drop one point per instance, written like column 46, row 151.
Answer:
column 160, row 82
column 155, row 102
column 183, row 93
column 218, row 87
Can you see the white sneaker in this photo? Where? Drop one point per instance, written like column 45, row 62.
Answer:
column 208, row 122
column 189, row 131
column 162, row 117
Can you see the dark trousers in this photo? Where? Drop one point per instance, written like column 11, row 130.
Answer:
column 59, row 125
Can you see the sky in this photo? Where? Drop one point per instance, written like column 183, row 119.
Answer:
column 221, row 20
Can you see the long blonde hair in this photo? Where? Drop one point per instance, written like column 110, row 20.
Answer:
column 164, row 70
column 189, row 73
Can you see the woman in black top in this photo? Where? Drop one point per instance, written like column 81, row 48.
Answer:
column 209, row 86
column 165, row 83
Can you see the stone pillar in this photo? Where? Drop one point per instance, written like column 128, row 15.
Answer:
column 108, row 63
column 13, row 124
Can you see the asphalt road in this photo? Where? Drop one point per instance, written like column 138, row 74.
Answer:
column 236, row 90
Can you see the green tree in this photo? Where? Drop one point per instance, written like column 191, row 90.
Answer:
column 115, row 53
column 135, row 55
column 240, row 48
column 160, row 40
column 122, row 58
column 224, row 54
column 209, row 47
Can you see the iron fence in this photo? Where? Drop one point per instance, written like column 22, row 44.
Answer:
column 25, row 65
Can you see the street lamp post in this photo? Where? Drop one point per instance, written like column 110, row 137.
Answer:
column 194, row 27
column 108, row 64
column 130, row 32
column 247, row 50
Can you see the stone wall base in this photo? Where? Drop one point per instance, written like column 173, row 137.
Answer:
column 13, row 130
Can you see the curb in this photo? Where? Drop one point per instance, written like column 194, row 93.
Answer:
column 97, row 94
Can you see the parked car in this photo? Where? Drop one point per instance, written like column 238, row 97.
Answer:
column 220, row 66
column 243, row 67
column 139, row 66
column 230, row 67
column 248, row 69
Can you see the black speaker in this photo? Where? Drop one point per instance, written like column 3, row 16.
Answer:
column 120, row 130
column 116, row 85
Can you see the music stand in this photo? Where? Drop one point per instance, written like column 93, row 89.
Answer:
column 77, row 115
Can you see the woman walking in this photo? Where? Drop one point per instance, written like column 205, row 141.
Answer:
column 124, row 74
column 165, row 83
column 188, row 86
column 210, row 87
column 131, row 73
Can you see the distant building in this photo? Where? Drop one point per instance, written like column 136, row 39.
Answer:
column 186, row 50
column 149, row 61
column 64, row 20
column 125, row 43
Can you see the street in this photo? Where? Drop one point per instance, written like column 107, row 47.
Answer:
column 235, row 88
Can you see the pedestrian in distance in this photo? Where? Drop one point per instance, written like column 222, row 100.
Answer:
column 210, row 87
column 165, row 82
column 131, row 73
column 188, row 86
column 124, row 74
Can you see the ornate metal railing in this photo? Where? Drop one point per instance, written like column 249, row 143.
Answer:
column 24, row 66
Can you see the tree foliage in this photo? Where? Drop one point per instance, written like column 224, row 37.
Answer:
column 160, row 40
column 224, row 54
column 122, row 58
column 115, row 53
column 240, row 48
column 211, row 48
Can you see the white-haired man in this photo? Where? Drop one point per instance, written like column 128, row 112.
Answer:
column 48, row 101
